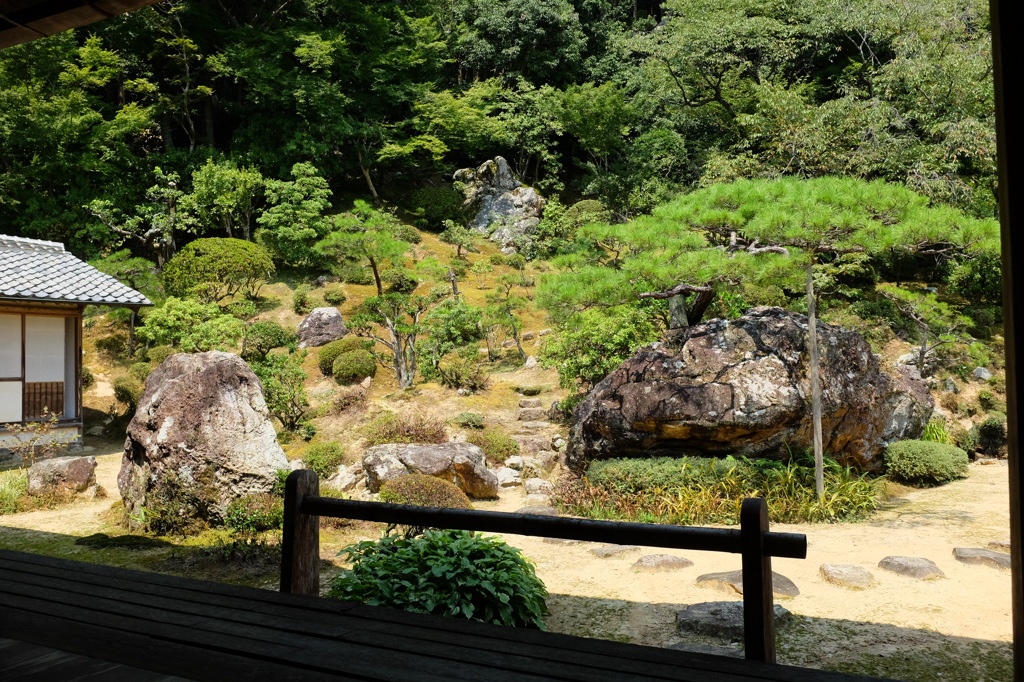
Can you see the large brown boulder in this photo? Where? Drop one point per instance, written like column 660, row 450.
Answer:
column 61, row 475
column 460, row 463
column 742, row 387
column 201, row 437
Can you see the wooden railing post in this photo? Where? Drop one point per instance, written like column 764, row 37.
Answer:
column 300, row 538
column 758, row 593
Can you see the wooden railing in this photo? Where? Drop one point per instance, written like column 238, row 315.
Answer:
column 300, row 547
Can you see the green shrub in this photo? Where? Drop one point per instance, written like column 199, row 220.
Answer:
column 157, row 354
column 302, row 301
column 459, row 373
column 497, row 259
column 114, row 345
column 445, row 573
column 335, row 297
column 992, row 434
column 191, row 326
column 460, row 266
column 127, row 391
column 87, row 378
column 215, row 268
column 998, row 383
column 422, row 490
column 140, row 370
column 243, row 309
column 407, row 233
column 989, row 402
column 937, row 431
column 353, row 273
column 469, row 420
column 436, row 204
column 496, row 443
column 391, row 427
column 399, row 280
column 262, row 337
column 330, row 352
column 324, row 458
column 924, row 463
column 251, row 514
column 966, row 439
column 594, row 343
column 353, row 366
column 13, row 489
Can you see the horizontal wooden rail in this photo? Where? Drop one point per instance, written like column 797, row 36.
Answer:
column 300, row 560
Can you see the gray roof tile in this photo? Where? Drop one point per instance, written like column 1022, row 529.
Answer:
column 31, row 269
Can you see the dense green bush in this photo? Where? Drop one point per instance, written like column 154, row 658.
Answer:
column 435, row 205
column 284, row 388
column 127, row 391
column 469, row 420
column 593, row 343
column 251, row 514
column 925, row 463
column 990, row 402
column 191, row 326
column 445, row 573
column 460, row 373
column 353, row 273
column 114, row 345
column 425, row 491
column 140, row 370
column 698, row 490
column 212, row 269
column 496, row 443
column 87, row 378
column 335, row 297
column 353, row 366
column 324, row 458
column 992, row 434
column 263, row 337
column 243, row 309
column 392, row 427
column 329, row 353
column 302, row 300
column 157, row 354
column 407, row 233
column 399, row 280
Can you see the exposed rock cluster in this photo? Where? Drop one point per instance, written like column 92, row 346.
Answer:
column 503, row 209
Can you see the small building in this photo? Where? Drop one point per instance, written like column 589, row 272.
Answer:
column 43, row 290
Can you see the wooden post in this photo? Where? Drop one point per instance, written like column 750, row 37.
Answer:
column 300, row 538
column 815, row 371
column 758, row 593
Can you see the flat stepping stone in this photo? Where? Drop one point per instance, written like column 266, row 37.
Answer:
column 711, row 649
column 982, row 557
column 912, row 567
column 535, row 426
column 847, row 575
column 656, row 563
column 731, row 582
column 720, row 619
column 1000, row 546
column 530, row 414
column 538, row 499
column 529, row 402
column 538, row 510
column 607, row 551
column 562, row 541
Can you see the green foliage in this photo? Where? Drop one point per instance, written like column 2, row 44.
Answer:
column 977, row 279
column 424, row 491
column 370, row 237
column 253, row 514
column 594, row 343
column 469, row 420
column 446, row 573
column 450, row 325
column 263, row 337
column 140, row 370
column 114, row 345
column 464, row 374
column 354, row 366
column 324, row 458
column 695, row 490
column 13, row 489
column 335, row 297
column 925, row 463
column 329, row 352
column 399, row 280
column 990, row 402
column 191, row 326
column 214, row 269
column 936, row 431
column 295, row 219
column 435, row 205
column 496, row 443
column 128, row 391
column 392, row 427
column 284, row 389
column 302, row 300
column 157, row 354
column 88, row 378
column 992, row 434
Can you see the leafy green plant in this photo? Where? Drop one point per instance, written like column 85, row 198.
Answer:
column 302, row 301
column 263, row 337
column 335, row 297
column 212, row 269
column 496, row 443
column 88, row 379
column 157, row 354
column 284, row 389
column 422, row 490
column 937, row 431
column 13, row 488
column 465, row 374
column 324, row 458
column 469, row 420
column 329, row 353
column 353, row 366
column 140, row 370
column 446, row 573
column 392, row 427
column 925, row 463
column 989, row 402
column 992, row 434
column 191, row 326
column 254, row 514
column 594, row 343
column 127, row 391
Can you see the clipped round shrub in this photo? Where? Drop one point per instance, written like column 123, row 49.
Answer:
column 127, row 391
column 925, row 463
column 425, row 491
column 353, row 366
column 496, row 583
column 992, row 433
column 408, row 233
column 335, row 297
column 399, row 280
column 140, row 370
column 262, row 337
column 330, row 352
column 324, row 458
column 252, row 514
column 392, row 427
column 157, row 354
column 496, row 443
column 87, row 378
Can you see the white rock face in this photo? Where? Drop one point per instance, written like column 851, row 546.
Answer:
column 503, row 209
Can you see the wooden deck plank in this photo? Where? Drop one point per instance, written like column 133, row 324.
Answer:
column 24, row 662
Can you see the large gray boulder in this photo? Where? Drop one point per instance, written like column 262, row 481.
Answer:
column 201, row 437
column 320, row 327
column 460, row 463
column 61, row 475
column 503, row 209
column 742, row 387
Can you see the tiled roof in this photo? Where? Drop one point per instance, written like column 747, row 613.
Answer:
column 34, row 270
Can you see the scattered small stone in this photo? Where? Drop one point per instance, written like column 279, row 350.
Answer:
column 847, row 575
column 543, row 332
column 94, row 431
column 655, row 563
column 538, row 499
column 983, row 557
column 558, row 443
column 731, row 582
column 982, row 374
column 949, row 386
column 538, row 486
column 531, row 362
column 529, row 402
column 529, row 414
column 606, row 551
column 508, row 478
column 538, row 510
column 720, row 619
column 508, row 344
column 562, row 541
column 912, row 567
column 712, row 649
column 1000, row 545
column 528, row 336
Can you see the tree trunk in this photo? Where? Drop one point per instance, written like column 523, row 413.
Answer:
column 366, row 176
column 454, row 281
column 812, row 343
column 376, row 277
column 677, row 317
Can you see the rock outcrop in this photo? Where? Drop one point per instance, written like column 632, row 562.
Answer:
column 320, row 327
column 62, row 475
column 742, row 387
column 201, row 436
column 503, row 209
column 460, row 463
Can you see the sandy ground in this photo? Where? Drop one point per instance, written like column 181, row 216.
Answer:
column 607, row 598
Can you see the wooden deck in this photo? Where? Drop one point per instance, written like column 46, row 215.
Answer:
column 200, row 630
